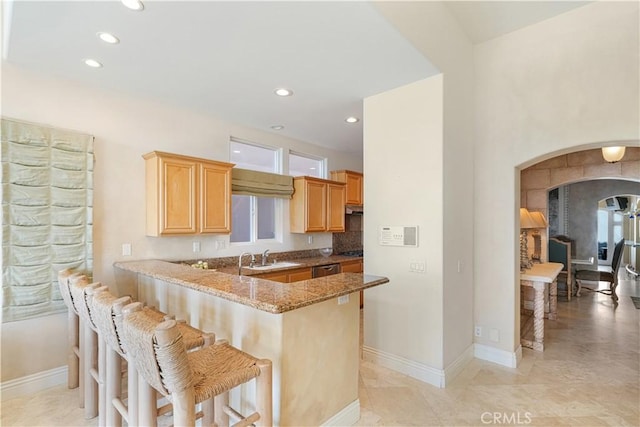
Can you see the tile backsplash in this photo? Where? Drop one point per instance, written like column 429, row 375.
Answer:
column 351, row 239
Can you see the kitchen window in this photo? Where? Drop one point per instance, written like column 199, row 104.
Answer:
column 255, row 218
column 306, row 165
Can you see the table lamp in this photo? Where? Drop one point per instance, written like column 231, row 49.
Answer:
column 526, row 222
column 540, row 222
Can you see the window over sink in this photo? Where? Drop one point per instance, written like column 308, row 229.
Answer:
column 255, row 218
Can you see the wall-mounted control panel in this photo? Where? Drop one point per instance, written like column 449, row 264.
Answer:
column 399, row 235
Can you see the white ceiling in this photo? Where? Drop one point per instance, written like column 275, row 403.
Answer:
column 226, row 58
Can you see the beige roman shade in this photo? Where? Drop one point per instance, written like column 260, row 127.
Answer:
column 47, row 199
column 261, row 184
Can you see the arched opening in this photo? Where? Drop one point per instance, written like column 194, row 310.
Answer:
column 588, row 171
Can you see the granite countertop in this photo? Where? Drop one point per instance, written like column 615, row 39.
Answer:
column 265, row 295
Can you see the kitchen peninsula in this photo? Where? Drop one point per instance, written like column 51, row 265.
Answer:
column 309, row 329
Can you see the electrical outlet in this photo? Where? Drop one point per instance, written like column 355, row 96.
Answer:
column 310, row 240
column 196, row 246
column 478, row 331
column 126, row 249
column 343, row 299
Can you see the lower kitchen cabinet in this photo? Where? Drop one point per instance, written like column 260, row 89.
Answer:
column 354, row 266
column 288, row 276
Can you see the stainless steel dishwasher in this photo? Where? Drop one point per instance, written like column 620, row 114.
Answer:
column 325, row 270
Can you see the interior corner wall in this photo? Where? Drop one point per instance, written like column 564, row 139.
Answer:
column 433, row 30
column 403, row 131
column 565, row 84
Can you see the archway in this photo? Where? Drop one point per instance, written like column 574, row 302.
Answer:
column 579, row 166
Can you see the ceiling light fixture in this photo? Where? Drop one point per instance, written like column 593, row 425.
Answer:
column 108, row 38
column 613, row 154
column 92, row 63
column 281, row 91
column 352, row 119
column 133, row 4
column 277, row 127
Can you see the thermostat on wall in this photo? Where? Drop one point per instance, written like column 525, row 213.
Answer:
column 399, row 236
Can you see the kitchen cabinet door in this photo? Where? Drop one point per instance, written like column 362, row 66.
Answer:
column 354, row 181
column 317, row 205
column 351, row 266
column 335, row 207
column 171, row 189
column 186, row 195
column 300, row 274
column 215, row 198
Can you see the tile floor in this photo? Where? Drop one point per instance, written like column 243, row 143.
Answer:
column 588, row 375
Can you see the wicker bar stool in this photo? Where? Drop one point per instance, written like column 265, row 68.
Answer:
column 105, row 306
column 73, row 335
column 160, row 355
column 91, row 348
column 107, row 315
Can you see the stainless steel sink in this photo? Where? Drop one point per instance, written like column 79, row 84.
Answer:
column 283, row 264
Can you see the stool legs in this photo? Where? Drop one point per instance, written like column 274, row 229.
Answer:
column 90, row 363
column 264, row 405
column 113, row 386
column 148, row 405
column 73, row 358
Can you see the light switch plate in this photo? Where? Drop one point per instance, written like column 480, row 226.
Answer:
column 126, row 249
column 343, row 299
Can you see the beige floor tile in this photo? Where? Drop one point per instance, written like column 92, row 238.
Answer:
column 588, row 375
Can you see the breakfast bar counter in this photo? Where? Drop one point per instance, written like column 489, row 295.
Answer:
column 308, row 329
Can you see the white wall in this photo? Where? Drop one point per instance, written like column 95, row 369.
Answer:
column 403, row 137
column 433, row 31
column 565, row 84
column 125, row 128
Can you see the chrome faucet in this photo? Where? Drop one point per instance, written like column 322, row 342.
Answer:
column 251, row 264
column 265, row 257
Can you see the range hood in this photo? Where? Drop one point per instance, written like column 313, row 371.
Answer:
column 354, row 209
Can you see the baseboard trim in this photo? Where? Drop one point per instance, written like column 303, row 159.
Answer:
column 348, row 416
column 495, row 355
column 454, row 369
column 419, row 371
column 33, row 383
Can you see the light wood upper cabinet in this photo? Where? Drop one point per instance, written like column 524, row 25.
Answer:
column 187, row 195
column 335, row 208
column 215, row 197
column 354, row 180
column 317, row 205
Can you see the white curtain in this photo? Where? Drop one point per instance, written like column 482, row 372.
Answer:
column 47, row 200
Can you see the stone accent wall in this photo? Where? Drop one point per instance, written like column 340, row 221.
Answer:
column 537, row 180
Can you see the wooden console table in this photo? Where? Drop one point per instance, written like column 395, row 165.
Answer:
column 538, row 277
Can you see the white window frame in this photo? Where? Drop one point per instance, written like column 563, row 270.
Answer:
column 323, row 160
column 278, row 215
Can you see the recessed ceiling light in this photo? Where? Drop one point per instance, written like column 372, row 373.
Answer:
column 281, row 91
column 92, row 63
column 312, row 168
column 352, row 119
column 108, row 38
column 277, row 127
column 133, row 4
column 236, row 151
